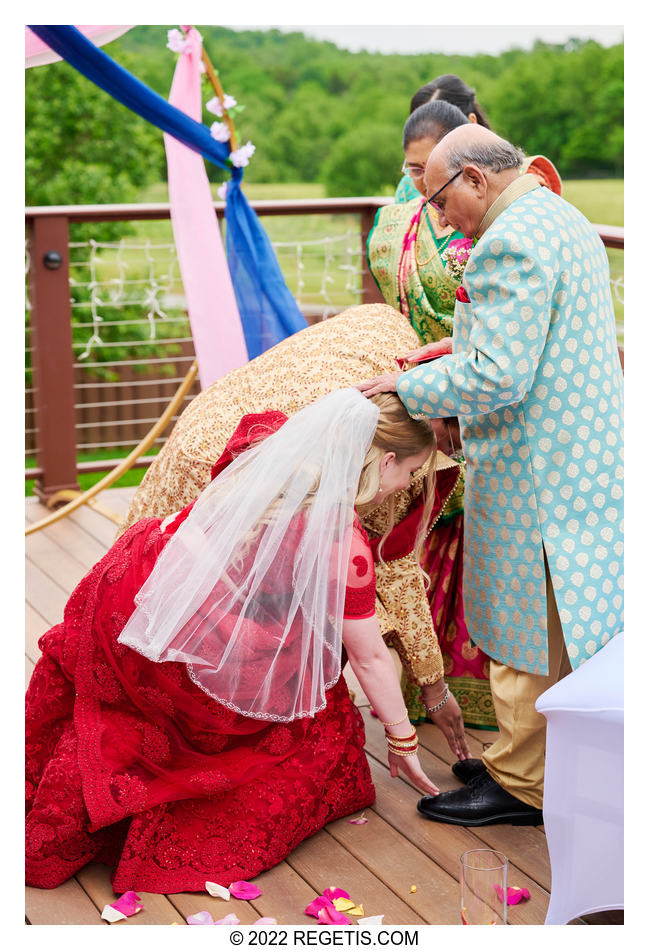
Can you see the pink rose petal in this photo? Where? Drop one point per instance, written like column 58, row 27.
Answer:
column 361, row 820
column 265, row 922
column 329, row 915
column 333, row 892
column 229, row 919
column 517, row 894
column 203, row 917
column 128, row 904
column 316, row 905
column 244, row 891
column 514, row 894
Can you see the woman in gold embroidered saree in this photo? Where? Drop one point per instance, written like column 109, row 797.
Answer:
column 406, row 251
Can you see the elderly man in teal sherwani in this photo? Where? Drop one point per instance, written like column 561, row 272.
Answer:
column 535, row 378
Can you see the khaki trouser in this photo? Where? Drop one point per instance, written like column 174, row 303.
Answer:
column 517, row 759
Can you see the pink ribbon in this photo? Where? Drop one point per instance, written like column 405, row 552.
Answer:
column 219, row 342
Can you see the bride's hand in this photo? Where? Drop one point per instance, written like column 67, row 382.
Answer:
column 411, row 767
column 429, row 351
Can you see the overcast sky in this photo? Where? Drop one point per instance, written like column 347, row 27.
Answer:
column 450, row 39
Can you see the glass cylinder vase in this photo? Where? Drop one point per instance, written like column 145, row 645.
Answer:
column 483, row 887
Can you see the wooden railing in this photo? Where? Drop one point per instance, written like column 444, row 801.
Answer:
column 48, row 239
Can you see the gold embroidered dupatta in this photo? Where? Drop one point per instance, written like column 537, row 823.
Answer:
column 405, row 261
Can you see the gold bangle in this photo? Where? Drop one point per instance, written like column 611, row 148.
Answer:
column 405, row 746
column 397, row 723
column 401, row 752
column 401, row 739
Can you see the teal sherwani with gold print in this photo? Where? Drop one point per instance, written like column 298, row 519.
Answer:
column 536, row 381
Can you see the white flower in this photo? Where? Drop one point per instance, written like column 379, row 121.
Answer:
column 241, row 156
column 176, row 41
column 220, row 132
column 222, row 191
column 216, row 107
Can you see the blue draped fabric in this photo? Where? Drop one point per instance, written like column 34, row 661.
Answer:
column 268, row 310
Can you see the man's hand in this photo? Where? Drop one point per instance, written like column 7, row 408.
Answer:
column 429, row 351
column 380, row 384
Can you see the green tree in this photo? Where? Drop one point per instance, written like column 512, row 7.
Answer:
column 85, row 148
column 81, row 145
column 364, row 161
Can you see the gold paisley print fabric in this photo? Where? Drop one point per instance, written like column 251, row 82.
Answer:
column 353, row 346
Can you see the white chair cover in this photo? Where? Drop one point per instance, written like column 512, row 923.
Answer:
column 584, row 786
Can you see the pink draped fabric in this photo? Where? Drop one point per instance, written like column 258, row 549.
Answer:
column 38, row 53
column 213, row 313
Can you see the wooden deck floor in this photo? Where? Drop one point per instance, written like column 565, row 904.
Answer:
column 377, row 863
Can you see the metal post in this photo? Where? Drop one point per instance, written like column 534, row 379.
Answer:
column 53, row 357
column 370, row 291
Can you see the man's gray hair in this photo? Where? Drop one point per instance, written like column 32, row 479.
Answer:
column 497, row 157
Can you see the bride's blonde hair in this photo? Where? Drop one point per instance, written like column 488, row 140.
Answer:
column 397, row 432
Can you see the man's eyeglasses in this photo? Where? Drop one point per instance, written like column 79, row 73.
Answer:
column 413, row 171
column 431, row 200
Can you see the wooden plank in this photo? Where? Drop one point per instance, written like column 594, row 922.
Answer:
column 323, row 863
column 45, row 596
column 528, row 842
column 187, row 904
column 117, row 499
column 67, row 535
column 156, row 908
column 66, row 904
column 432, row 738
column 524, row 846
column 285, row 895
column 397, row 802
column 98, row 527
column 35, row 627
column 399, row 864
column 64, row 568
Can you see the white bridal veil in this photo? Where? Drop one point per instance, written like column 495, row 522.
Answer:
column 249, row 592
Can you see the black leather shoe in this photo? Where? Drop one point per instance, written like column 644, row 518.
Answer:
column 468, row 769
column 483, row 802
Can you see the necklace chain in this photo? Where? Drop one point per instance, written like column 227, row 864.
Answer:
column 438, row 250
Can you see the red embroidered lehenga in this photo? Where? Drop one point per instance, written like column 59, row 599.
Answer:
column 130, row 763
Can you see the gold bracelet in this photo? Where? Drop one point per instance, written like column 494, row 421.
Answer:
column 401, row 739
column 397, row 723
column 402, row 746
column 401, row 752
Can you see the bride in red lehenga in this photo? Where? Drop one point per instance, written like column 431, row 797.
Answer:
column 188, row 720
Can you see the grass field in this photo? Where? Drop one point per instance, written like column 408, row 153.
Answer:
column 308, row 246
column 601, row 200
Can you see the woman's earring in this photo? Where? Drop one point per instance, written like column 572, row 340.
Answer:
column 380, row 488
